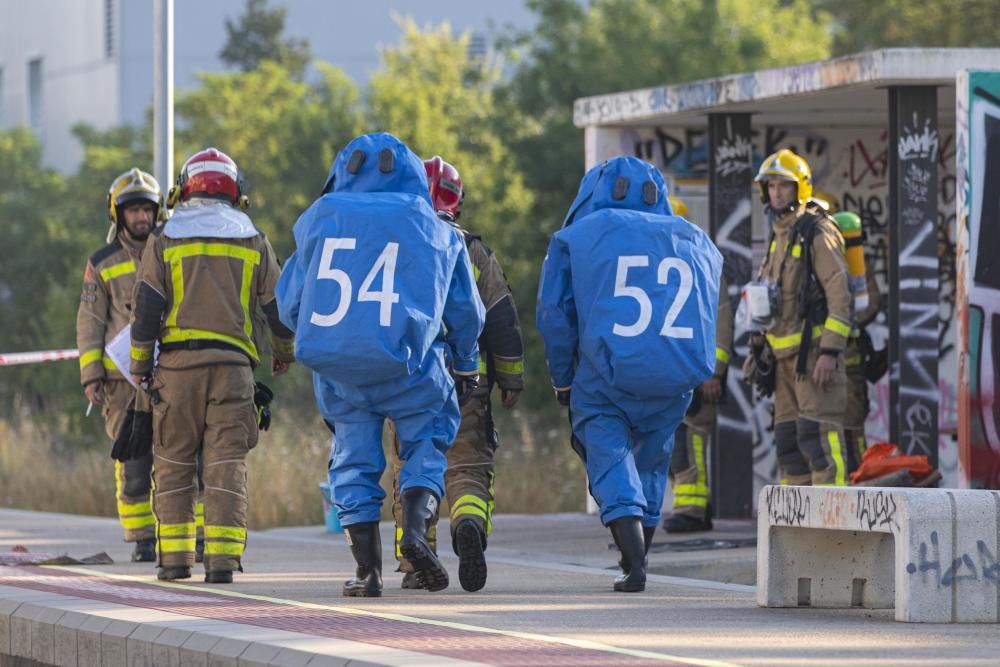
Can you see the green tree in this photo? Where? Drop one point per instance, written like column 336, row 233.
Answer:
column 283, row 134
column 617, row 45
column 449, row 113
column 614, row 45
column 257, row 36
column 860, row 26
column 39, row 278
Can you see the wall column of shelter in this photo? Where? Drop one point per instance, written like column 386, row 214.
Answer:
column 730, row 181
column 913, row 270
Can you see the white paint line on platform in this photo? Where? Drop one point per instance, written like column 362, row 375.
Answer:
column 577, row 643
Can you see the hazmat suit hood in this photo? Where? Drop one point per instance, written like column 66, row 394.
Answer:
column 621, row 182
column 378, row 162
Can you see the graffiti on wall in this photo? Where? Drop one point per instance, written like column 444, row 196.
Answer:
column 917, row 282
column 978, row 282
column 852, row 165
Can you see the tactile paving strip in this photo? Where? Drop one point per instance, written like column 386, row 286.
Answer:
column 495, row 649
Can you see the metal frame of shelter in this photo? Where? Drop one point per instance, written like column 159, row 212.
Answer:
column 879, row 129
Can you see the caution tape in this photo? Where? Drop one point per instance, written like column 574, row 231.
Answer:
column 18, row 358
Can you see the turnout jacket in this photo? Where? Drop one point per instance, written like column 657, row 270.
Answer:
column 501, row 347
column 105, row 305
column 785, row 264
column 198, row 296
column 723, row 330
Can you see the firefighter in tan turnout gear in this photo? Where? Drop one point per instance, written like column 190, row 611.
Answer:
column 689, row 461
column 134, row 204
column 811, row 306
column 469, row 478
column 203, row 276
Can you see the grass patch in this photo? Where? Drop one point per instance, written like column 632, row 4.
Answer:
column 41, row 468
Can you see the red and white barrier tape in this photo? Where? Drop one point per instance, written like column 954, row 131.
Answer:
column 17, row 358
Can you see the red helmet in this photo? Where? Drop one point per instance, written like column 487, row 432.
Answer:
column 210, row 173
column 446, row 188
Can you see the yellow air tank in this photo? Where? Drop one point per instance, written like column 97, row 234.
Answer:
column 678, row 206
column 850, row 227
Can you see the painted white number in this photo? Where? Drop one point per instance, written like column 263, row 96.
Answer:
column 680, row 298
column 386, row 297
column 327, row 272
column 627, row 262
column 621, row 289
column 386, row 263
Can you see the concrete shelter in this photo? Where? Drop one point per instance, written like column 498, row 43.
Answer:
column 879, row 131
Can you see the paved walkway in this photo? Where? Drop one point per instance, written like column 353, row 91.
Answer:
column 548, row 602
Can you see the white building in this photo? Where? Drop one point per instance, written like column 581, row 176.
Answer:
column 64, row 62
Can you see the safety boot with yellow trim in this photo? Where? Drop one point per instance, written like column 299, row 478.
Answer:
column 172, row 573
column 683, row 523
column 219, row 577
column 470, row 543
column 145, row 551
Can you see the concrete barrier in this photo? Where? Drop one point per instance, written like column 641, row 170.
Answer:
column 930, row 553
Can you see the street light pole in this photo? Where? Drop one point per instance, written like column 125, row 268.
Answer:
column 163, row 92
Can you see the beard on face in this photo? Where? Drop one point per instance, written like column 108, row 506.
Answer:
column 138, row 234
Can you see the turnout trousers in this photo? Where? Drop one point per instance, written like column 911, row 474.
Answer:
column 808, row 424
column 468, row 479
column 132, row 478
column 207, row 408
column 689, row 462
column 857, row 406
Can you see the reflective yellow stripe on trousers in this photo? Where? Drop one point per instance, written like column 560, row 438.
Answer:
column 132, row 516
column 225, row 540
column 837, row 455
column 470, row 505
column 176, row 537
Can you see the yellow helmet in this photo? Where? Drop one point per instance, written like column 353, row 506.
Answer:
column 678, row 206
column 785, row 166
column 133, row 185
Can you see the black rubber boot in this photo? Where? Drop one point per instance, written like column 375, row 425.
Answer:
column 647, row 537
column 171, row 573
column 628, row 535
column 366, row 547
column 419, row 507
column 410, row 582
column 470, row 543
column 682, row 523
column 219, row 577
column 145, row 551
column 199, row 550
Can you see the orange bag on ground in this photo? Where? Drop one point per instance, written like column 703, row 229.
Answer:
column 883, row 458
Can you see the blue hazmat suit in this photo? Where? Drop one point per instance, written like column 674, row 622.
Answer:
column 627, row 305
column 382, row 299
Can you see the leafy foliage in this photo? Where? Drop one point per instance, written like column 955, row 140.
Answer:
column 257, row 36
column 512, row 139
column 282, row 132
column 861, row 26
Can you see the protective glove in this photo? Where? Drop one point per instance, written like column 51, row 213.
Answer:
column 135, row 437
column 562, row 395
column 262, row 397
column 465, row 385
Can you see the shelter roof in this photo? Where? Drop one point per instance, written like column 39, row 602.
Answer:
column 847, row 91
